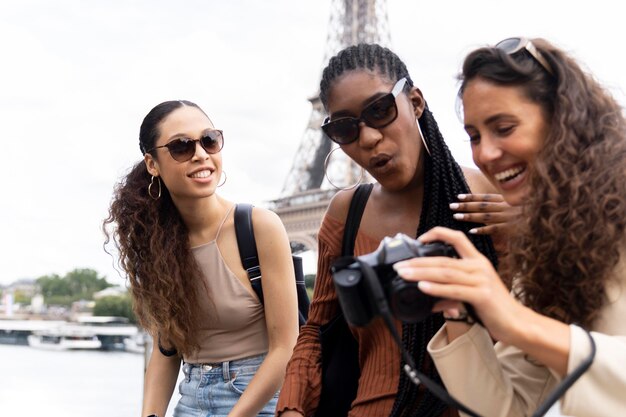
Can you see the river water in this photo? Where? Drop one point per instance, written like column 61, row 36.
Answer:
column 36, row 383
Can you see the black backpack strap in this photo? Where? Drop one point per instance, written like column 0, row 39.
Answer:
column 340, row 350
column 353, row 221
column 247, row 247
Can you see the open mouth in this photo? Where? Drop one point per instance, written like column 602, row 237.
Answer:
column 379, row 161
column 509, row 174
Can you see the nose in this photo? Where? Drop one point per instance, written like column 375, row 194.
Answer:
column 486, row 151
column 199, row 152
column 369, row 136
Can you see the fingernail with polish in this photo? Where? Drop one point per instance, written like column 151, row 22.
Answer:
column 404, row 272
column 461, row 196
column 424, row 285
column 397, row 265
column 473, row 231
column 458, row 216
column 454, row 206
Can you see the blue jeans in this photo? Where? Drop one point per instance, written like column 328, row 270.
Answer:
column 211, row 390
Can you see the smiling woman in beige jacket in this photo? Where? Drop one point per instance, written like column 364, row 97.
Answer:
column 554, row 142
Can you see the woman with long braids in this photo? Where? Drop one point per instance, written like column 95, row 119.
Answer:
column 553, row 140
column 178, row 247
column 377, row 115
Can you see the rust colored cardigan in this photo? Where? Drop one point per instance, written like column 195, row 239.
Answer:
column 379, row 356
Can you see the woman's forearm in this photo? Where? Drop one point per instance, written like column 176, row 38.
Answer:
column 266, row 382
column 544, row 339
column 159, row 382
column 455, row 330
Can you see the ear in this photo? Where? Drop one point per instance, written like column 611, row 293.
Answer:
column 417, row 99
column 151, row 165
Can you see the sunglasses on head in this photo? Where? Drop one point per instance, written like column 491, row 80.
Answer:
column 511, row 46
column 183, row 149
column 378, row 114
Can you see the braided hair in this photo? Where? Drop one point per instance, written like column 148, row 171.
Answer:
column 443, row 181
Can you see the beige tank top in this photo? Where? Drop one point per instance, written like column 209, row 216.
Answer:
column 237, row 328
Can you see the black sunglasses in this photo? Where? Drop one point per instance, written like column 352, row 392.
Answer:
column 511, row 46
column 378, row 114
column 183, row 149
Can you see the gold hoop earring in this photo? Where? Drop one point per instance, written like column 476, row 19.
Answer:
column 327, row 161
column 223, row 182
column 422, row 137
column 150, row 188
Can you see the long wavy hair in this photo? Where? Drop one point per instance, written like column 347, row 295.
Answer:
column 568, row 242
column 443, row 181
column 153, row 245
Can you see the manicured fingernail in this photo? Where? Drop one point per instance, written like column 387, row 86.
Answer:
column 424, row 285
column 458, row 216
column 404, row 272
column 454, row 206
column 473, row 231
column 461, row 196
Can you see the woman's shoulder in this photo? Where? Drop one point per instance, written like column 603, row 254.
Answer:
column 339, row 204
column 265, row 220
column 477, row 182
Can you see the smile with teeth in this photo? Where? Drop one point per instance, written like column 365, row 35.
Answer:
column 201, row 174
column 509, row 174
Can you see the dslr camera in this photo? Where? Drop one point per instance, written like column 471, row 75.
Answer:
column 367, row 284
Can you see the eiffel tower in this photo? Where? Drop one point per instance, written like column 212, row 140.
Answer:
column 307, row 191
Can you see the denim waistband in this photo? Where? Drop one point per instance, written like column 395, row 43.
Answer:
column 207, row 368
column 222, row 367
column 238, row 361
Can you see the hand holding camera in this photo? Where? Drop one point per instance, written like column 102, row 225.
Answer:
column 367, row 284
column 471, row 279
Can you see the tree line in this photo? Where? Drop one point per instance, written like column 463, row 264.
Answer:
column 82, row 284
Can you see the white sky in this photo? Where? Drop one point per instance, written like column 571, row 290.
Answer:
column 77, row 78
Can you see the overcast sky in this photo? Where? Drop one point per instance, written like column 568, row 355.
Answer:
column 77, row 78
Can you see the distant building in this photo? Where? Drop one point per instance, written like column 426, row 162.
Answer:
column 15, row 298
column 81, row 308
column 6, row 307
column 110, row 292
column 37, row 305
column 26, row 286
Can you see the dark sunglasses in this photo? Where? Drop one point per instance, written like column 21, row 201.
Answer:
column 378, row 114
column 513, row 45
column 183, row 149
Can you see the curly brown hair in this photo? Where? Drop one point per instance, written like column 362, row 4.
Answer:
column 154, row 250
column 568, row 242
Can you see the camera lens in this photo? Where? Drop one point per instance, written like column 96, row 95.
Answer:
column 408, row 303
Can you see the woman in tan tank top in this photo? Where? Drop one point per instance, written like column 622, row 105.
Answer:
column 177, row 244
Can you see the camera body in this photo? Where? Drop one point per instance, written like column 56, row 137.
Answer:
column 368, row 283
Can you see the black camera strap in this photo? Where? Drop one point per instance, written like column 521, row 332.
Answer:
column 378, row 297
column 382, row 307
column 569, row 380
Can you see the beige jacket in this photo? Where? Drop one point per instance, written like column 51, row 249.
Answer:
column 501, row 381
